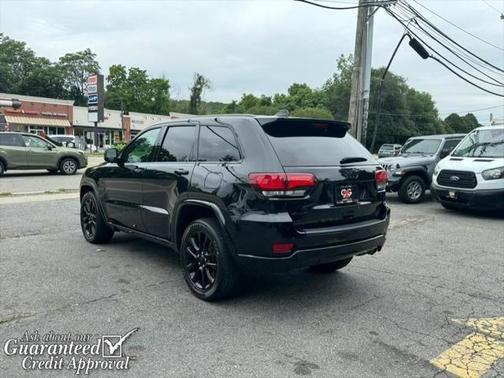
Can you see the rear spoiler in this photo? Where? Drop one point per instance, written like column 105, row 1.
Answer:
column 303, row 127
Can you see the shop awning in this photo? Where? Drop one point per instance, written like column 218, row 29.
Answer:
column 32, row 121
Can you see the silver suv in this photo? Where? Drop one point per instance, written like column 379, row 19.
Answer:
column 410, row 173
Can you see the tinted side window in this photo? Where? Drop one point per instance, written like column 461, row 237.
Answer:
column 142, row 147
column 11, row 140
column 177, row 144
column 450, row 145
column 217, row 143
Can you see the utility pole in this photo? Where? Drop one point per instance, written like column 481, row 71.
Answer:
column 361, row 75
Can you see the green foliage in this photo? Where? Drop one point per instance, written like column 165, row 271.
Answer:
column 120, row 145
column 133, row 91
column 457, row 124
column 75, row 68
column 24, row 73
column 312, row 113
column 200, row 83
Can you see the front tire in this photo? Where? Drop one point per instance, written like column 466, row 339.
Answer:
column 412, row 190
column 330, row 267
column 2, row 168
column 68, row 166
column 93, row 225
column 205, row 255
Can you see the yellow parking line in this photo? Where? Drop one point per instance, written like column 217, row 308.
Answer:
column 476, row 353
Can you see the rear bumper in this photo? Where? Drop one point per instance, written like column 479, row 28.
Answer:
column 492, row 200
column 307, row 257
column 313, row 247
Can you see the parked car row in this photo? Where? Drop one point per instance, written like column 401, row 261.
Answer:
column 462, row 171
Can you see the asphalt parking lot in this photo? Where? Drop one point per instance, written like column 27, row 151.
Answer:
column 391, row 314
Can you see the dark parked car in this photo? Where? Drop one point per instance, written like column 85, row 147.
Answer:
column 30, row 151
column 241, row 192
column 410, row 173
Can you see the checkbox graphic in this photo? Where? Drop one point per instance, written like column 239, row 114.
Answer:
column 112, row 344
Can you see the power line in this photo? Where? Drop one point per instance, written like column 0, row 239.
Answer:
column 458, row 27
column 496, row 82
column 415, row 115
column 491, row 6
column 439, row 60
column 363, row 5
column 418, row 14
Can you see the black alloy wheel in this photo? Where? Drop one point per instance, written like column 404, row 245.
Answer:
column 93, row 225
column 88, row 218
column 205, row 255
column 201, row 263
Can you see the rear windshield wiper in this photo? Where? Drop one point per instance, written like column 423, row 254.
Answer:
column 349, row 160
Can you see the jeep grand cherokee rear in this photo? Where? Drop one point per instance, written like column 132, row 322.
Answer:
column 241, row 192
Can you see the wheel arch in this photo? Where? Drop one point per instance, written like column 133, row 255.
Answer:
column 193, row 209
column 420, row 172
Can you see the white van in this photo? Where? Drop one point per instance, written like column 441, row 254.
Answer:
column 472, row 176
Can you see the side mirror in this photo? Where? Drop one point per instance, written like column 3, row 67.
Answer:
column 70, row 145
column 49, row 147
column 110, row 155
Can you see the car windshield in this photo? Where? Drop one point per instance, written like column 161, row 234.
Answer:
column 421, row 146
column 482, row 143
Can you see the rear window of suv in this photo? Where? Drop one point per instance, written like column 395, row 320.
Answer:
column 301, row 142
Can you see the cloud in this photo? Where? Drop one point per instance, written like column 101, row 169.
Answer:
column 247, row 46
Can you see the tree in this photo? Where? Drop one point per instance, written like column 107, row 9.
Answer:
column 76, row 68
column 457, row 124
column 132, row 90
column 321, row 113
column 22, row 72
column 337, row 88
column 200, row 83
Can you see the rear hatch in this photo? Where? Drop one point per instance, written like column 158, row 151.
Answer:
column 345, row 188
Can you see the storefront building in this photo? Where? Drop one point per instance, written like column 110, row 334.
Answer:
column 47, row 116
column 108, row 132
column 38, row 115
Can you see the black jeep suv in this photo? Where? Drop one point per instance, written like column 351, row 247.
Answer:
column 241, row 192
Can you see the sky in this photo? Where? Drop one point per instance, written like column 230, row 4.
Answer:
column 254, row 46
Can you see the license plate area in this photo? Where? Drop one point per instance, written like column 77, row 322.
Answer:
column 346, row 193
column 453, row 195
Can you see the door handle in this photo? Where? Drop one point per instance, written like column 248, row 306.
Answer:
column 181, row 172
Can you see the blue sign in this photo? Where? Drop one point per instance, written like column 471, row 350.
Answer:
column 93, row 100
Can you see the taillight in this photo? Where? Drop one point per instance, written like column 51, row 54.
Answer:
column 381, row 179
column 282, row 184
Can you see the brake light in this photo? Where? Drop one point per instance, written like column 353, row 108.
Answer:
column 381, row 179
column 282, row 184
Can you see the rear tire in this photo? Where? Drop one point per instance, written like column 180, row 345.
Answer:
column 93, row 225
column 330, row 267
column 2, row 168
column 412, row 190
column 205, row 256
column 68, row 166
